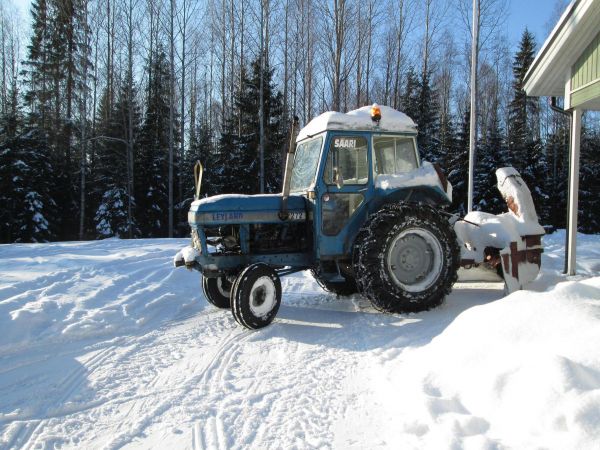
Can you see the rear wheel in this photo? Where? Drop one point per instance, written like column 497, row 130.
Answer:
column 344, row 288
column 256, row 296
column 408, row 258
column 217, row 291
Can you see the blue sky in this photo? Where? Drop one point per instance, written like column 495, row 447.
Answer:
column 534, row 14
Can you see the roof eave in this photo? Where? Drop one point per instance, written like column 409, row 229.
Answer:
column 549, row 71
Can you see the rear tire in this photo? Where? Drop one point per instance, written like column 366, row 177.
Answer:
column 217, row 291
column 256, row 296
column 407, row 259
column 343, row 288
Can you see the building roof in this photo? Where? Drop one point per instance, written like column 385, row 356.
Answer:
column 576, row 28
column 359, row 120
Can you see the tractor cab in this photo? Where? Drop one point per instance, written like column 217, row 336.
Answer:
column 348, row 165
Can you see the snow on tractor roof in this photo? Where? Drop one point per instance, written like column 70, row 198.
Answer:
column 359, row 120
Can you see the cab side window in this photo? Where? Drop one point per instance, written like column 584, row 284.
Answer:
column 394, row 155
column 348, row 156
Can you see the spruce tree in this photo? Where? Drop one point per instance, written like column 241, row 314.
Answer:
column 427, row 119
column 447, row 142
column 589, row 182
column 52, row 78
column 410, row 95
column 237, row 157
column 490, row 157
column 28, row 209
column 526, row 149
column 151, row 190
column 111, row 177
column 557, row 151
column 522, row 109
column 458, row 167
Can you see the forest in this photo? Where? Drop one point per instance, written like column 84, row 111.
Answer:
column 105, row 105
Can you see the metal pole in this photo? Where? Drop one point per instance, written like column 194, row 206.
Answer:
column 574, row 190
column 473, row 124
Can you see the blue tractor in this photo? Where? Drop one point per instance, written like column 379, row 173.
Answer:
column 359, row 209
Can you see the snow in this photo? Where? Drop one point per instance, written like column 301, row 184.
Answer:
column 187, row 254
column 359, row 119
column 105, row 345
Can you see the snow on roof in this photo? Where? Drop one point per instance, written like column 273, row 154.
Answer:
column 359, row 119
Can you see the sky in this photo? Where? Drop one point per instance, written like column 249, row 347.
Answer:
column 534, row 14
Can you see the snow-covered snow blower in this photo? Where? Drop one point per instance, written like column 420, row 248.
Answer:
column 361, row 211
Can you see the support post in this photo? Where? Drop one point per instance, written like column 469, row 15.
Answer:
column 573, row 191
column 473, row 124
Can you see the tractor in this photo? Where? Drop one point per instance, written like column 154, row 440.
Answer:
column 362, row 212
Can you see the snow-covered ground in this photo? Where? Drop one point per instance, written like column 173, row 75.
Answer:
column 105, row 345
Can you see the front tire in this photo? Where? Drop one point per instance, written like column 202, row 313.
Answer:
column 217, row 291
column 408, row 258
column 256, row 296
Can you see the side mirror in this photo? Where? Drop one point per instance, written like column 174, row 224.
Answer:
column 338, row 179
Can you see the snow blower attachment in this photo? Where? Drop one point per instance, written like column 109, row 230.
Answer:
column 508, row 243
column 364, row 214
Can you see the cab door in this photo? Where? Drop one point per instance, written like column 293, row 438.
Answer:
column 344, row 187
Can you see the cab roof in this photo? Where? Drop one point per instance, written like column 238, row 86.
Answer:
column 359, row 120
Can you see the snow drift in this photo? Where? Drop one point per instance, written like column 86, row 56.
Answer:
column 105, row 345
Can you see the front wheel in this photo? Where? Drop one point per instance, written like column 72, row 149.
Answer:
column 256, row 296
column 408, row 258
column 217, row 290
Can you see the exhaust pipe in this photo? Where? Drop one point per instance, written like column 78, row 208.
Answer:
column 198, row 172
column 289, row 163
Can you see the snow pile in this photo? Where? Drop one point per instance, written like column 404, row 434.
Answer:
column 523, row 372
column 359, row 119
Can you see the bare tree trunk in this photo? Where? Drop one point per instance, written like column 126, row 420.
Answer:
column 232, row 54
column 223, row 71
column 359, row 55
column 427, row 38
column 285, row 63
column 183, row 31
column 109, row 59
column 400, row 36
column 4, row 90
column 84, row 137
column 171, row 110
column 241, row 68
column 369, row 48
column 264, row 5
column 130, row 125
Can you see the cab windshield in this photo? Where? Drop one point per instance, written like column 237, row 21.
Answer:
column 305, row 164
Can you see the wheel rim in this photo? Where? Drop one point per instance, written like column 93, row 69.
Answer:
column 262, row 296
column 414, row 259
column 223, row 286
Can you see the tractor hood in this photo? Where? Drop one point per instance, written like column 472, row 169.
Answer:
column 238, row 208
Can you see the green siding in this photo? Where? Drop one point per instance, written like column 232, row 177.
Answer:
column 587, row 68
column 586, row 94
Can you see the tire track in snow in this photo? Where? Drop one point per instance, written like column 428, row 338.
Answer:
column 202, row 378
column 27, row 435
column 211, row 434
column 31, row 432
